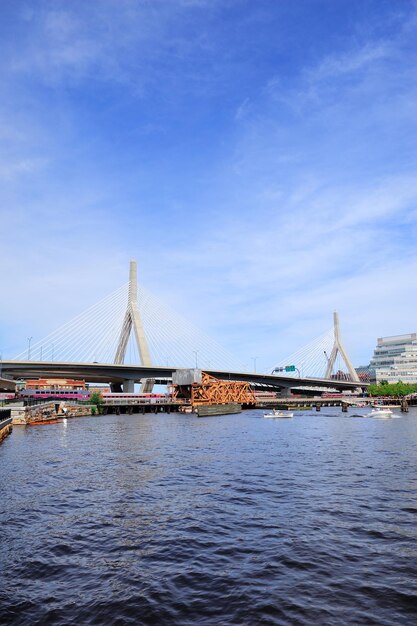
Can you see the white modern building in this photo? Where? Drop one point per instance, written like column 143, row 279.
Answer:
column 395, row 358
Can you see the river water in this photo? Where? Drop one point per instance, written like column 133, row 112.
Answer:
column 170, row 519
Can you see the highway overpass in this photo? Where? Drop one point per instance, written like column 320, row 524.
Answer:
column 116, row 375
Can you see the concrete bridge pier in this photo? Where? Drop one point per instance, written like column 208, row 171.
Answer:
column 128, row 386
column 404, row 406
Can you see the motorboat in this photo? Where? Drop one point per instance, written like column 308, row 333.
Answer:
column 380, row 412
column 275, row 413
column 47, row 421
column 385, row 406
column 185, row 409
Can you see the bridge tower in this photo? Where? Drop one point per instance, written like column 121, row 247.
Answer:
column 338, row 347
column 132, row 319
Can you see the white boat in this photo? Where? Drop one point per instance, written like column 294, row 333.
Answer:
column 385, row 406
column 380, row 413
column 276, row 414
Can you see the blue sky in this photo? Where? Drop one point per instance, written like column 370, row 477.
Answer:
column 257, row 158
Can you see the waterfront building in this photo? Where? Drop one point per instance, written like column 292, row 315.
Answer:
column 395, row 358
column 55, row 383
column 99, row 389
column 366, row 374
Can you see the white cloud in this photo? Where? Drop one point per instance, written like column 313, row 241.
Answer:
column 10, row 169
column 312, row 212
column 351, row 61
column 120, row 41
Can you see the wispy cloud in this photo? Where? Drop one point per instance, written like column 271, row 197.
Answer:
column 259, row 191
column 125, row 42
column 352, row 61
column 12, row 169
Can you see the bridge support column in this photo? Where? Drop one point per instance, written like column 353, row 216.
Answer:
column 404, row 406
column 128, row 386
column 147, row 385
column 285, row 392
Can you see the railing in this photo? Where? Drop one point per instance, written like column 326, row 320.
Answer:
column 28, row 401
column 138, row 401
column 5, row 418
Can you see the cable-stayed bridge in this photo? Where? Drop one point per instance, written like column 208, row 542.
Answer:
column 131, row 325
column 324, row 357
column 131, row 336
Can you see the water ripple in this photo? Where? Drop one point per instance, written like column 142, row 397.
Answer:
column 166, row 519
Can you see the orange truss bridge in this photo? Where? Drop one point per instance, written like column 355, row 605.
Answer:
column 212, row 390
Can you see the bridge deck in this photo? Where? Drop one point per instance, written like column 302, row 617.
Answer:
column 111, row 373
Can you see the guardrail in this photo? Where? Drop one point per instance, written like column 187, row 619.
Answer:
column 5, row 418
column 5, row 422
column 28, row 401
column 138, row 401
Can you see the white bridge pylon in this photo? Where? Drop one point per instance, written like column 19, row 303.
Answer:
column 133, row 320
column 339, row 348
column 312, row 360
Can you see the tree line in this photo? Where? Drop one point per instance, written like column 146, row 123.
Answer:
column 398, row 390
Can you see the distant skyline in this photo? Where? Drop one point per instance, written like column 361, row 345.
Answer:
column 258, row 159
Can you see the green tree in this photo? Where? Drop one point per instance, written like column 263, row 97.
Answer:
column 96, row 399
column 395, row 390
